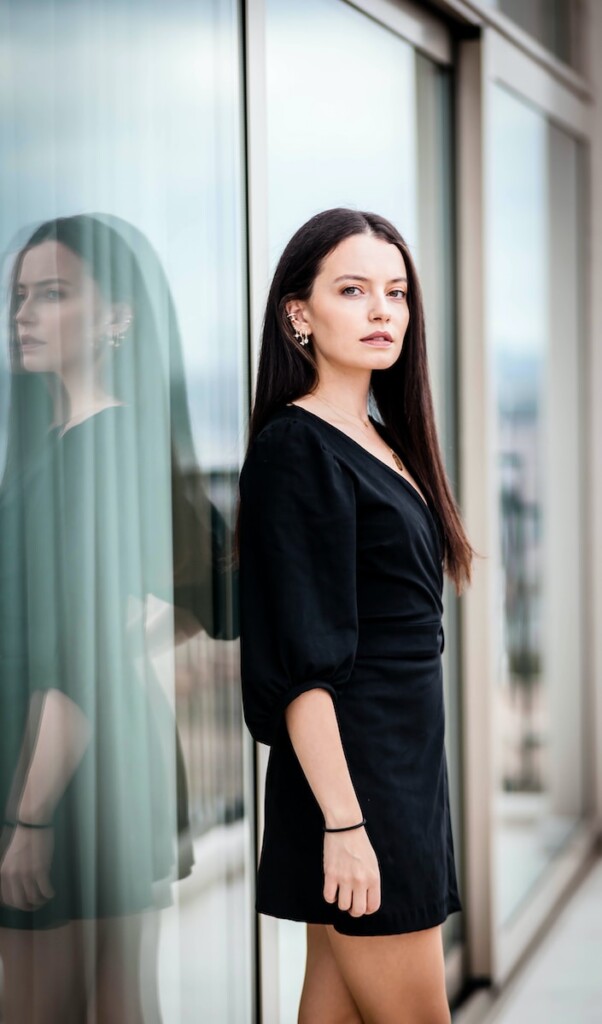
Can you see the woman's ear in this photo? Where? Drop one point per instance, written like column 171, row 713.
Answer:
column 123, row 315
column 296, row 313
column 118, row 323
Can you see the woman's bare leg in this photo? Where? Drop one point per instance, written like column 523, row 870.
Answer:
column 117, row 995
column 43, row 976
column 394, row 979
column 325, row 996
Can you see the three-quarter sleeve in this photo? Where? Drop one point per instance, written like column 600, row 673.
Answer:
column 297, row 573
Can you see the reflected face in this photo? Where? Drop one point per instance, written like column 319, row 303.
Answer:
column 60, row 313
column 360, row 290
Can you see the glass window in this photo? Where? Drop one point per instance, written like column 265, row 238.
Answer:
column 548, row 21
column 356, row 117
column 122, row 419
column 535, row 345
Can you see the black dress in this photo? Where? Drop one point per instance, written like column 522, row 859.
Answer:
column 83, row 538
column 341, row 580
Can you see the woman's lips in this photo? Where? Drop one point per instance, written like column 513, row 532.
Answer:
column 30, row 343
column 377, row 342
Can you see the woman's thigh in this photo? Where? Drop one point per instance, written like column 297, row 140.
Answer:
column 394, row 979
column 44, row 975
column 122, row 973
column 325, row 996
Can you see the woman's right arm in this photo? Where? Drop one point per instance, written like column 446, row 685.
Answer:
column 299, row 627
column 351, row 872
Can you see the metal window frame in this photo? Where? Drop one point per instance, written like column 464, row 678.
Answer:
column 475, row 15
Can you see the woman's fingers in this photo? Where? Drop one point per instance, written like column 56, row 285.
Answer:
column 357, row 899
column 373, row 898
column 6, row 890
column 31, row 895
column 351, row 873
column 358, row 903
column 45, row 886
column 345, row 897
column 330, row 889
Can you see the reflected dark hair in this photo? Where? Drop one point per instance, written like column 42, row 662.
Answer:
column 114, row 254
column 401, row 394
column 147, row 373
column 126, row 268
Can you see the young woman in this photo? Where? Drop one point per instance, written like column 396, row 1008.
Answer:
column 96, row 521
column 346, row 524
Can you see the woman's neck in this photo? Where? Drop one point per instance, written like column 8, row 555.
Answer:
column 73, row 403
column 347, row 394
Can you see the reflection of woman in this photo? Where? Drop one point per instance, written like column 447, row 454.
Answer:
column 95, row 522
column 345, row 523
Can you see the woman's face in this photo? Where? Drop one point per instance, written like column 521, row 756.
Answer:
column 361, row 290
column 61, row 317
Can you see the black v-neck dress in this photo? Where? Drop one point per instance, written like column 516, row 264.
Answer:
column 341, row 581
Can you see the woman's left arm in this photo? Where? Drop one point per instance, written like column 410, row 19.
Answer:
column 55, row 740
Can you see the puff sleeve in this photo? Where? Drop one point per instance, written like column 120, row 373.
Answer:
column 297, row 573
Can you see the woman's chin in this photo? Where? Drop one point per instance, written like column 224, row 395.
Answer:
column 381, row 358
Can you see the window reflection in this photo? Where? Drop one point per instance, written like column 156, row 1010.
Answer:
column 110, row 555
column 135, row 108
column 535, row 340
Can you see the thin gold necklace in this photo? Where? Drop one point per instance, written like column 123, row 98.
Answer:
column 364, row 422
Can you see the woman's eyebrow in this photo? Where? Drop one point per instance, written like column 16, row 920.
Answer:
column 46, row 280
column 357, row 277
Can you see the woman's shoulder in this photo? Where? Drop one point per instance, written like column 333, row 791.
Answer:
column 291, row 443
column 287, row 428
column 290, row 468
column 102, row 420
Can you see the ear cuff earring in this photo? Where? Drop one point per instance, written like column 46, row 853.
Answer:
column 117, row 339
column 300, row 334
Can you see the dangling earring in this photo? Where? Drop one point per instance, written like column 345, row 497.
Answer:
column 300, row 334
column 117, row 339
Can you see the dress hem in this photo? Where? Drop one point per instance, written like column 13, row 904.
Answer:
column 416, row 918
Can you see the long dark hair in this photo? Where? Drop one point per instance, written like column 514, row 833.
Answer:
column 401, row 394
column 126, row 269
column 147, row 374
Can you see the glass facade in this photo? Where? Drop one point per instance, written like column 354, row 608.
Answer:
column 123, row 383
column 535, row 319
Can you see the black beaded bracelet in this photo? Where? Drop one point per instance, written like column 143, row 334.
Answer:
column 28, row 824
column 346, row 828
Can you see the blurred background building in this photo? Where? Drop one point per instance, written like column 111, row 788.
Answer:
column 217, row 128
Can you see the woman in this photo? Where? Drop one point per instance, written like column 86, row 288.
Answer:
column 103, row 558
column 346, row 522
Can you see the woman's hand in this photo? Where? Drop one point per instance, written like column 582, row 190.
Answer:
column 351, row 870
column 25, row 869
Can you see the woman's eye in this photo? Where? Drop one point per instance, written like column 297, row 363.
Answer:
column 354, row 287
column 53, row 293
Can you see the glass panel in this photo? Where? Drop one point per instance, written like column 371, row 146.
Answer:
column 357, row 118
column 548, row 21
column 123, row 395
column 534, row 315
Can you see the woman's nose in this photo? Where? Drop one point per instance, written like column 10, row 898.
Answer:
column 379, row 309
column 23, row 314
